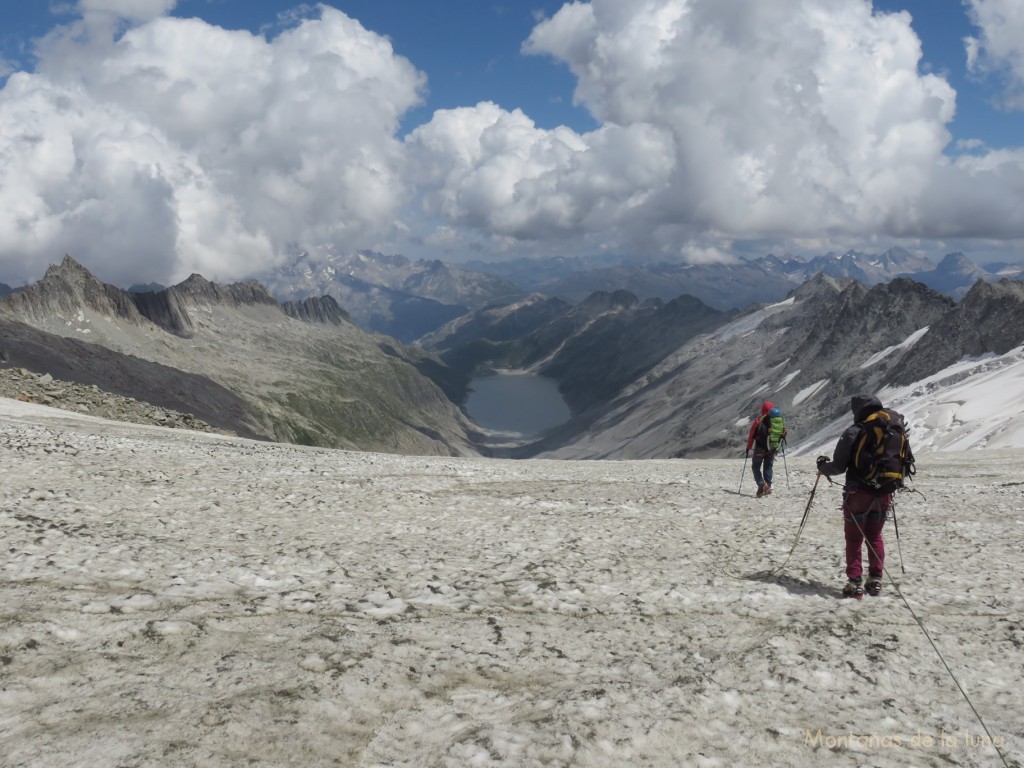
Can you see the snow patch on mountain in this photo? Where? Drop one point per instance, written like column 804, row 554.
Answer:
column 906, row 344
column 808, row 392
column 750, row 322
column 785, row 382
column 974, row 404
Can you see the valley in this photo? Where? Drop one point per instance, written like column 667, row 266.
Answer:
column 639, row 377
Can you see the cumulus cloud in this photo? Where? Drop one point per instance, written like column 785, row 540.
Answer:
column 158, row 146
column 721, row 119
column 80, row 176
column 494, row 170
column 1000, row 46
column 178, row 146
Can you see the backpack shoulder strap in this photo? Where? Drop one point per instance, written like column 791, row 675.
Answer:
column 870, row 428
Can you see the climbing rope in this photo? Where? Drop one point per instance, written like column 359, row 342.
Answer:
column 935, row 648
column 799, row 532
column 726, row 570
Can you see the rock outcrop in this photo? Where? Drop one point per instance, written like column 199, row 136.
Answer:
column 85, row 367
column 165, row 309
column 323, row 309
column 68, row 289
column 989, row 319
column 29, row 387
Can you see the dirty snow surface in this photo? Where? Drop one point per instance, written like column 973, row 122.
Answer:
column 172, row 598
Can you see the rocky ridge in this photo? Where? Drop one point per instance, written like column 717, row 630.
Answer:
column 43, row 389
column 301, row 374
column 831, row 338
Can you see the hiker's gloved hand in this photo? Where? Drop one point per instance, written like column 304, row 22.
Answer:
column 821, row 461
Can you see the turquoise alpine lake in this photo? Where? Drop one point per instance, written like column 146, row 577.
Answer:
column 521, row 404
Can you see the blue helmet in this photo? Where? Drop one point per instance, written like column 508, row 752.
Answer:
column 774, row 412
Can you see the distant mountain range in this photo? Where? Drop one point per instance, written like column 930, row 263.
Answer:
column 410, row 299
column 737, row 285
column 388, row 294
column 644, row 376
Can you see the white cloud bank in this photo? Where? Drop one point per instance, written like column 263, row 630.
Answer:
column 177, row 146
column 1000, row 46
column 182, row 147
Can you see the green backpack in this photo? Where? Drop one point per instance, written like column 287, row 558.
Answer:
column 776, row 428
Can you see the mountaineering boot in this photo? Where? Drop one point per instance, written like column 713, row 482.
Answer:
column 853, row 589
column 873, row 586
column 760, row 491
column 767, row 489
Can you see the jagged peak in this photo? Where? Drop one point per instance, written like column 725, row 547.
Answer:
column 821, row 283
column 319, row 309
column 908, row 286
column 896, row 253
column 957, row 260
column 687, row 302
column 195, row 281
column 69, row 269
column 68, row 288
column 70, row 276
column 197, row 288
column 984, row 291
column 68, row 262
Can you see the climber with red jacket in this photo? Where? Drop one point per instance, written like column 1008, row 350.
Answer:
column 765, row 437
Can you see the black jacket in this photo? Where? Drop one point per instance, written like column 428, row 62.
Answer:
column 862, row 406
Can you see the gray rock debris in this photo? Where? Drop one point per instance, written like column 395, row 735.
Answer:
column 29, row 387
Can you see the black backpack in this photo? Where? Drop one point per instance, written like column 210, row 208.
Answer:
column 881, row 455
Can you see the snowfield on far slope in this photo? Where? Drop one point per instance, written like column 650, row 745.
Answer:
column 175, row 598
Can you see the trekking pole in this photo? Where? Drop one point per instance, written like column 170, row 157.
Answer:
column 896, row 525
column 743, row 471
column 784, row 465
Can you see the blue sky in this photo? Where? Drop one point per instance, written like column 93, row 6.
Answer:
column 153, row 138
column 469, row 49
column 942, row 26
column 470, row 52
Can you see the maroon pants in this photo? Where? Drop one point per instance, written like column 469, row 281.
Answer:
column 863, row 520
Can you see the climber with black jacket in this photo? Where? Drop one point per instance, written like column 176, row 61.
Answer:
column 866, row 501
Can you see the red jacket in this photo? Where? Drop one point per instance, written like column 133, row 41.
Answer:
column 757, row 422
